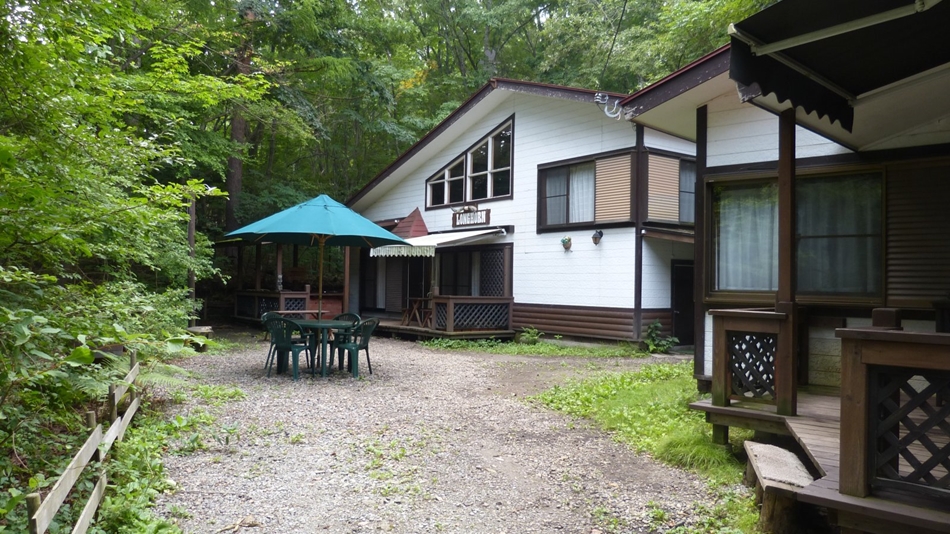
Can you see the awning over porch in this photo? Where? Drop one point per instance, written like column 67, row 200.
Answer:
column 424, row 246
column 860, row 71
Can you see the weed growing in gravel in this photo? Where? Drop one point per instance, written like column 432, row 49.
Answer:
column 647, row 409
column 218, row 395
column 496, row 346
column 606, row 520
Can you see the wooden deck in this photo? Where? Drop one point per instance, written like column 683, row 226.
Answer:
column 817, row 429
column 395, row 327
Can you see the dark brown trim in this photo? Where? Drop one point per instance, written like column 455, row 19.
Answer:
column 589, row 225
column 550, row 90
column 699, row 245
column 877, row 157
column 677, row 83
column 641, row 196
column 670, row 154
column 667, row 235
column 580, row 321
column 586, row 158
column 786, row 207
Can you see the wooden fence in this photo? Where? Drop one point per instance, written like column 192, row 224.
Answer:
column 95, row 449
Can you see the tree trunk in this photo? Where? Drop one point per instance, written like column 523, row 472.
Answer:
column 234, row 177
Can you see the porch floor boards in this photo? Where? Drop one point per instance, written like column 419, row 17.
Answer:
column 817, row 429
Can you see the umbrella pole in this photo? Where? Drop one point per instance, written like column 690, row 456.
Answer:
column 322, row 243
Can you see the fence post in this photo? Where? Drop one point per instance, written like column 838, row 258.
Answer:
column 133, row 359
column 113, row 404
column 91, row 425
column 33, row 503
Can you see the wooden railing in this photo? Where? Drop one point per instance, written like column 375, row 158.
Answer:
column 42, row 511
column 895, row 414
column 748, row 363
column 251, row 304
column 454, row 314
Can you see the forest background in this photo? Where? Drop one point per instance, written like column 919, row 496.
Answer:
column 116, row 115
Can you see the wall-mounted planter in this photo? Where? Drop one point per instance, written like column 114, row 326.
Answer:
column 566, row 242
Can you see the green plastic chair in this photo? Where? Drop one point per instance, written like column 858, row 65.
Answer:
column 282, row 337
column 342, row 336
column 264, row 319
column 360, row 341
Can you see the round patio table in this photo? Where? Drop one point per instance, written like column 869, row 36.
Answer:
column 323, row 327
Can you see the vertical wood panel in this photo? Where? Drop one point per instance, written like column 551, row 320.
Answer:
column 918, row 250
column 854, row 420
column 394, row 300
column 613, row 189
column 664, row 188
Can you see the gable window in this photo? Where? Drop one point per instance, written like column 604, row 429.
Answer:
column 567, row 194
column 481, row 173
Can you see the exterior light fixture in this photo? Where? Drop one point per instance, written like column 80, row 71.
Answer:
column 596, row 237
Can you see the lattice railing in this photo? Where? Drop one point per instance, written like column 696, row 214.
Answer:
column 909, row 429
column 752, row 364
column 492, row 280
column 474, row 316
column 471, row 313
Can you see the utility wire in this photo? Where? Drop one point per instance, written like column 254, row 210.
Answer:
column 612, row 43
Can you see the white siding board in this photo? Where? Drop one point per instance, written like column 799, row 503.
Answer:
column 546, row 130
column 708, row 345
column 740, row 133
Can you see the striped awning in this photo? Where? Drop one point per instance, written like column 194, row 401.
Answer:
column 424, row 246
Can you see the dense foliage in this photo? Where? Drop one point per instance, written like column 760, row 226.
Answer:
column 116, row 115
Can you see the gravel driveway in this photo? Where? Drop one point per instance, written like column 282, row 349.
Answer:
column 433, row 441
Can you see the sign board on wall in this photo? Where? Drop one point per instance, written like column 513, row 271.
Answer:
column 471, row 218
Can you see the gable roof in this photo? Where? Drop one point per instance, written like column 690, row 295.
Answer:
column 412, row 226
column 868, row 74
column 487, row 96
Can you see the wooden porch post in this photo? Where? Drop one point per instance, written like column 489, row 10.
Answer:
column 699, row 247
column 346, row 278
column 720, row 377
column 854, row 421
column 258, row 266
column 785, row 359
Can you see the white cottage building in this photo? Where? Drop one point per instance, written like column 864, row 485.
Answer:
column 538, row 206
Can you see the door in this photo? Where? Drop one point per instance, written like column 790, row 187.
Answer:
column 682, row 301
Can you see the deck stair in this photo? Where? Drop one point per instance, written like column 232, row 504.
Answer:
column 817, row 428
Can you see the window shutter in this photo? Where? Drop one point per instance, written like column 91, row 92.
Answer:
column 664, row 183
column 612, row 201
column 918, row 249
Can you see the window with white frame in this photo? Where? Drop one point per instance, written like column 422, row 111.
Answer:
column 482, row 173
column 567, row 194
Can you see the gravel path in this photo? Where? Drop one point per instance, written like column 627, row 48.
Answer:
column 434, row 441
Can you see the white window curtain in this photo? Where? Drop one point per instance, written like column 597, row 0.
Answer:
column 582, row 193
column 746, row 245
column 687, row 192
column 839, row 235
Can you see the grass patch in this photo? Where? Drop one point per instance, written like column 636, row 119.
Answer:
column 497, row 346
column 647, row 409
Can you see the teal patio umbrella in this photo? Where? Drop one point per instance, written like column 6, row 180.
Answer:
column 319, row 221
